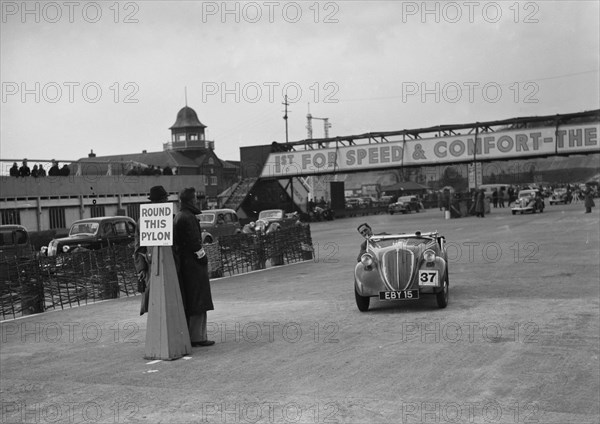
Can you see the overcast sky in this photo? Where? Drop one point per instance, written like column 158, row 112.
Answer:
column 111, row 77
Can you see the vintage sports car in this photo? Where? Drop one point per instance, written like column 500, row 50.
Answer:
column 528, row 201
column 218, row 222
column 402, row 267
column 560, row 195
column 94, row 233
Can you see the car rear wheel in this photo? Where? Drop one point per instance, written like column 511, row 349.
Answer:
column 362, row 302
column 443, row 296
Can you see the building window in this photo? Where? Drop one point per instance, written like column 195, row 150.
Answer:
column 97, row 210
column 213, row 180
column 57, row 218
column 11, row 217
column 133, row 211
column 211, row 161
column 205, row 180
column 181, row 137
column 194, row 137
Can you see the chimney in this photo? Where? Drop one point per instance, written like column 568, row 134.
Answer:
column 144, row 151
column 91, row 154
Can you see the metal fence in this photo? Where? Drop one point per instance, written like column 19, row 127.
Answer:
column 57, row 282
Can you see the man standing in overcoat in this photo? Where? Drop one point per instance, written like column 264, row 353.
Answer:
column 193, row 267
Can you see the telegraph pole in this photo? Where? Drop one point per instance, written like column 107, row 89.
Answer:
column 285, row 117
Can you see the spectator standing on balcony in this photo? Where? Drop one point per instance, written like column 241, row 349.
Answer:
column 14, row 171
column 24, row 170
column 193, row 267
column 167, row 170
column 35, row 172
column 141, row 257
column 54, row 170
column 41, row 170
column 65, row 171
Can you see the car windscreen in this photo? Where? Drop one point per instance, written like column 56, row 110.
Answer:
column 84, row 228
column 402, row 242
column 526, row 194
column 270, row 215
column 206, row 218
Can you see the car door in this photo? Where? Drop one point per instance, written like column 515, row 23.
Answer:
column 122, row 234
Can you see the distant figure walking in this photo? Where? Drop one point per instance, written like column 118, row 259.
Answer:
column 589, row 201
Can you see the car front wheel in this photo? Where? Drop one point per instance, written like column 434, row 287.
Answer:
column 443, row 296
column 362, row 302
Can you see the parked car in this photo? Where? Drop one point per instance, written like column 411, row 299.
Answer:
column 15, row 243
column 93, row 234
column 216, row 223
column 267, row 219
column 402, row 267
column 397, row 207
column 405, row 204
column 528, row 201
column 354, row 203
column 559, row 196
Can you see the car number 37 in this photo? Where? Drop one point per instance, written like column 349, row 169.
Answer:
column 428, row 278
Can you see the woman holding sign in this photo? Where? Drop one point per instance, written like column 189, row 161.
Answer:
column 193, row 267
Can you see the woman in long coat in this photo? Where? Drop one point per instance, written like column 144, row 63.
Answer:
column 480, row 203
column 193, row 267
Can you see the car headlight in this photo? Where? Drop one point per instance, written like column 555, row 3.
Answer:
column 366, row 259
column 65, row 249
column 429, row 255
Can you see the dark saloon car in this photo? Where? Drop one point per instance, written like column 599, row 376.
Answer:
column 528, row 201
column 405, row 204
column 218, row 222
column 93, row 234
column 559, row 196
column 284, row 220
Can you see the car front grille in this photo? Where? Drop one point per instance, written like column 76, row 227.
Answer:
column 398, row 267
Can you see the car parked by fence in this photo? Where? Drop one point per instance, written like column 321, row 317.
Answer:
column 93, row 234
column 215, row 223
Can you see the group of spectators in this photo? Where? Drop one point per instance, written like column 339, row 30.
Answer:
column 38, row 170
column 152, row 170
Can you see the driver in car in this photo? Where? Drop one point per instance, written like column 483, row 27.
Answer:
column 366, row 231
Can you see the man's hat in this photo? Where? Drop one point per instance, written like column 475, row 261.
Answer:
column 158, row 193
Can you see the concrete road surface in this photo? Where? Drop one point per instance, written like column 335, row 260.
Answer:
column 518, row 343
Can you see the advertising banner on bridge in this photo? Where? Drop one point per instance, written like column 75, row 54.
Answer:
column 499, row 145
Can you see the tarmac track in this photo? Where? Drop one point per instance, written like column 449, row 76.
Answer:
column 518, row 343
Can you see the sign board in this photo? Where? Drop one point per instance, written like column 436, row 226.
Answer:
column 156, row 224
column 475, row 175
column 499, row 145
